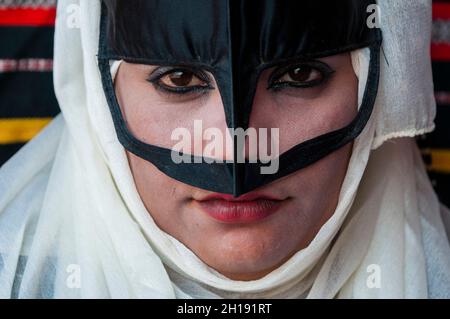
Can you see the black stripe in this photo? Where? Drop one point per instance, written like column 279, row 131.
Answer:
column 27, row 94
column 8, row 150
column 26, row 42
column 441, row 71
column 440, row 138
column 441, row 183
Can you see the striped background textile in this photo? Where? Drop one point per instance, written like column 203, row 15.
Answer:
column 28, row 103
column 436, row 146
column 27, row 100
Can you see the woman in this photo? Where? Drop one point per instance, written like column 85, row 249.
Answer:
column 98, row 205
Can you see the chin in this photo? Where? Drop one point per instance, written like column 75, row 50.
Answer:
column 248, row 254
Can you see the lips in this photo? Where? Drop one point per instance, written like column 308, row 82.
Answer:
column 248, row 208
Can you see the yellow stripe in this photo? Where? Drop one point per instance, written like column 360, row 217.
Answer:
column 18, row 130
column 440, row 160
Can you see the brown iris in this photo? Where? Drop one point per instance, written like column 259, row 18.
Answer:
column 181, row 78
column 300, row 74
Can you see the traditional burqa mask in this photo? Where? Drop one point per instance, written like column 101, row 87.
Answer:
column 235, row 41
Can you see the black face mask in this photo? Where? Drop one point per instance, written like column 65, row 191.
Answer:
column 235, row 40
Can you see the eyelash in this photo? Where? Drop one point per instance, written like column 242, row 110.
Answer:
column 324, row 70
column 154, row 78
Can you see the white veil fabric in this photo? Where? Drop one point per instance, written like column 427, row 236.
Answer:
column 72, row 224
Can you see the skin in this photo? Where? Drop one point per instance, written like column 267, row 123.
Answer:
column 243, row 251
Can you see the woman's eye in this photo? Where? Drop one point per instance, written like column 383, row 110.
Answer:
column 182, row 79
column 300, row 76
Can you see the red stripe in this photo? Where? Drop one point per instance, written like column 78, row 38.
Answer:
column 440, row 51
column 26, row 65
column 442, row 98
column 441, row 10
column 27, row 17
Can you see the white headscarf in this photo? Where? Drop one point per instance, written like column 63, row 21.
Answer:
column 72, row 223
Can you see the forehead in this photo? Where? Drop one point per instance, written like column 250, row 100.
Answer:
column 246, row 31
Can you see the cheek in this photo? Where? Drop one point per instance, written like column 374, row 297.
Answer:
column 161, row 195
column 315, row 191
column 324, row 179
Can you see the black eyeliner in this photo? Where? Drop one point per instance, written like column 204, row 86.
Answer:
column 325, row 70
column 174, row 90
column 160, row 72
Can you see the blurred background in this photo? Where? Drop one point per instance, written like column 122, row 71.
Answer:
column 28, row 103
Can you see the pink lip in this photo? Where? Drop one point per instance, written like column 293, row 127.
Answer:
column 248, row 208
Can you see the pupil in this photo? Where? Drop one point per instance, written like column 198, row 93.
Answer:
column 181, row 78
column 300, row 74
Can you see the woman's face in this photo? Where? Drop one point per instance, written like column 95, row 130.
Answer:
column 303, row 101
